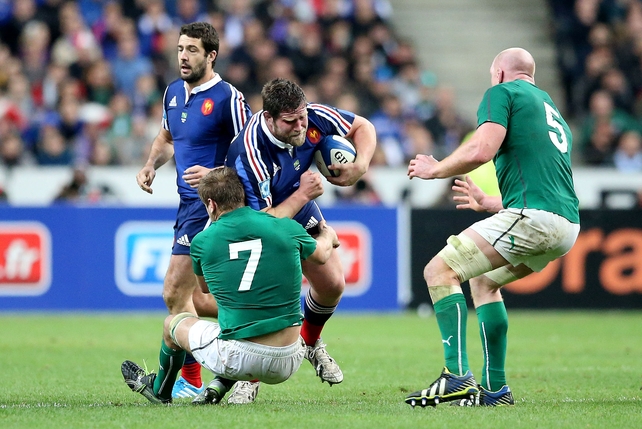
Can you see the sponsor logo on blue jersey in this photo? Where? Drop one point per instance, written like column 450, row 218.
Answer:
column 142, row 254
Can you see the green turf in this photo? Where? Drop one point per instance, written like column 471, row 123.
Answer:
column 566, row 369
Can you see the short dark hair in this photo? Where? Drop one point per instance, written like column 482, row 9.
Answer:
column 223, row 186
column 204, row 31
column 282, row 95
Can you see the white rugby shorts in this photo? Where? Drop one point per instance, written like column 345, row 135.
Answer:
column 528, row 236
column 243, row 360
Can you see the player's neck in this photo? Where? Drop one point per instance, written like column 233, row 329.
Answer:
column 206, row 78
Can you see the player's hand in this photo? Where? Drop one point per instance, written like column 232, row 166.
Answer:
column 324, row 228
column 193, row 175
column 349, row 173
column 310, row 185
column 145, row 178
column 422, row 167
column 472, row 197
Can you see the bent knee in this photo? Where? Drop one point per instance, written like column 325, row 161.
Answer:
column 437, row 272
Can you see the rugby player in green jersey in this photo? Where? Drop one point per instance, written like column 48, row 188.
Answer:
column 536, row 220
column 251, row 262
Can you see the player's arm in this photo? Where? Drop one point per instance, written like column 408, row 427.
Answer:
column 474, row 198
column 363, row 135
column 162, row 150
column 478, row 150
column 326, row 241
column 310, row 187
column 202, row 284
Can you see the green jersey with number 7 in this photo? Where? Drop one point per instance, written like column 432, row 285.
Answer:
column 251, row 262
column 534, row 162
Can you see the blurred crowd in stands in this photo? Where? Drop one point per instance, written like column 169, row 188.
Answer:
column 81, row 82
column 599, row 45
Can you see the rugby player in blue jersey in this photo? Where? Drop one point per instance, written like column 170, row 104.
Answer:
column 201, row 115
column 272, row 155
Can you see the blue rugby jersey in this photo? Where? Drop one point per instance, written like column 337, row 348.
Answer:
column 269, row 169
column 202, row 124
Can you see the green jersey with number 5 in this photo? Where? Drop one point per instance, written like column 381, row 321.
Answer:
column 251, row 262
column 534, row 161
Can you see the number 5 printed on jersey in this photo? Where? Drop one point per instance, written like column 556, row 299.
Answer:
column 552, row 119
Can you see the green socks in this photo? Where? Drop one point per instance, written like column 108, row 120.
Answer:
column 493, row 328
column 452, row 315
column 170, row 362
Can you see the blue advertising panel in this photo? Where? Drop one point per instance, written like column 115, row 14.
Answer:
column 91, row 258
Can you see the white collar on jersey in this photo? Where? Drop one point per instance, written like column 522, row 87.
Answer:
column 270, row 136
column 207, row 85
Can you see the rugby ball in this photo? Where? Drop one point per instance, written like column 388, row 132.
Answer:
column 333, row 150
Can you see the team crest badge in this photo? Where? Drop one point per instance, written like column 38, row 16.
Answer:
column 207, row 107
column 264, row 187
column 314, row 135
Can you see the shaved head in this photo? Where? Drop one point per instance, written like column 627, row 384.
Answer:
column 512, row 64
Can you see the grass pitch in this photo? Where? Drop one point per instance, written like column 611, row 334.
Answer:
column 566, row 370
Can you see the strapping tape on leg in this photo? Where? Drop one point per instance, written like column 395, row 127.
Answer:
column 177, row 321
column 502, row 276
column 437, row 293
column 464, row 257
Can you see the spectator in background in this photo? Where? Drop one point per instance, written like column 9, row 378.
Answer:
column 407, row 86
column 309, row 59
column 107, row 27
column 129, row 65
column 146, row 94
column 599, row 150
column 603, row 112
column 12, row 152
column 19, row 94
column 75, row 189
column 10, row 31
column 52, row 148
column 55, row 75
column 99, row 83
column 281, row 67
column 120, row 129
column 34, row 50
column 152, row 25
column 389, row 125
column 446, row 126
column 628, row 155
column 75, row 37
column 188, row 11
column 80, row 189
column 70, row 124
column 365, row 87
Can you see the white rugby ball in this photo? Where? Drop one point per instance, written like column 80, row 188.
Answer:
column 333, row 150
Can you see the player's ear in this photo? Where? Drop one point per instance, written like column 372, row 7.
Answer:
column 213, row 56
column 211, row 206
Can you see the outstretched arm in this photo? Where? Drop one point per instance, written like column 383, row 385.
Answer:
column 480, row 149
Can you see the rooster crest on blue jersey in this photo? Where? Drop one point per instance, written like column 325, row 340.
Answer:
column 333, row 149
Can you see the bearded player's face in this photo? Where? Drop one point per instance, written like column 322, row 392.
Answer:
column 291, row 127
column 192, row 60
